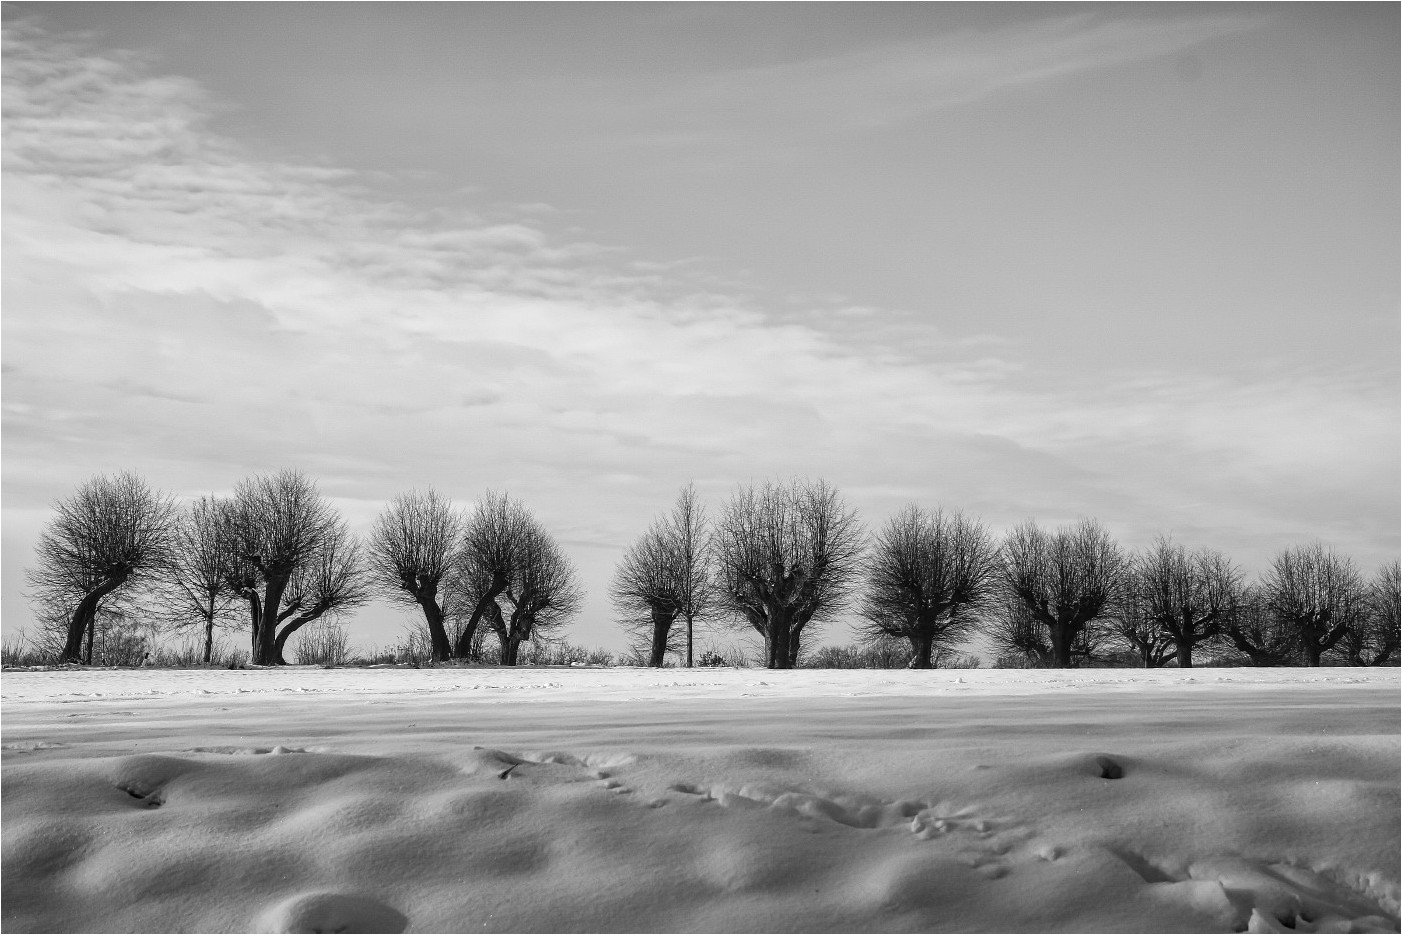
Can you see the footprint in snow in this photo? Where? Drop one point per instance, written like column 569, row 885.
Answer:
column 1260, row 896
column 333, row 912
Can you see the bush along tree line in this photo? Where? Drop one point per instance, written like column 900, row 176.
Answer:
column 777, row 560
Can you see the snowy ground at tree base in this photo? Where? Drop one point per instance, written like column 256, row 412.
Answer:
column 548, row 800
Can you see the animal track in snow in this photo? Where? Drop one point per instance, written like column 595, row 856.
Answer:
column 333, row 912
column 1266, row 897
column 562, row 767
column 251, row 751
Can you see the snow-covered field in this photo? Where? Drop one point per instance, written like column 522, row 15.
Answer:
column 705, row 800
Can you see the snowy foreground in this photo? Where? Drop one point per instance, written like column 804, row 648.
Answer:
column 543, row 800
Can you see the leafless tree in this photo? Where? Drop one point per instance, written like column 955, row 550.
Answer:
column 1066, row 580
column 648, row 590
column 541, row 595
column 111, row 534
column 1013, row 631
column 788, row 554
column 195, row 589
column 413, row 551
column 332, row 582
column 1135, row 626
column 1255, row 630
column 698, row 595
column 489, row 561
column 1316, row 593
column 1186, row 597
column 1372, row 636
column 275, row 526
column 929, row 578
column 664, row 576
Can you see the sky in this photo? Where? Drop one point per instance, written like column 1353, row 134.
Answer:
column 1139, row 263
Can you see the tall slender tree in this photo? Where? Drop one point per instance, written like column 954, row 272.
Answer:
column 1066, row 580
column 691, row 526
column 197, row 590
column 929, row 578
column 648, row 590
column 413, row 550
column 111, row 534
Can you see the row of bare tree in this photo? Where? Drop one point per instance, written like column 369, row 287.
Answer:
column 276, row 555
column 780, row 557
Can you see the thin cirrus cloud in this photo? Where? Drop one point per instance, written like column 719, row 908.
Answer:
column 176, row 304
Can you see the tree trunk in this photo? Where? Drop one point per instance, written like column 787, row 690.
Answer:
column 265, row 649
column 779, row 635
column 433, row 615
column 83, row 621
column 924, row 645
column 1062, row 636
column 280, row 642
column 463, row 647
column 1312, row 653
column 92, row 634
column 510, row 649
column 688, row 641
column 209, row 638
column 661, row 626
column 1184, row 651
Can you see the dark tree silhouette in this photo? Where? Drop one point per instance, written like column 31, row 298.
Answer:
column 112, row 533
column 1132, row 623
column 1014, row 632
column 1066, row 580
column 413, row 552
column 1186, row 597
column 787, row 555
column 647, row 590
column 664, row 576
column 274, row 526
column 489, row 561
column 540, row 596
column 698, row 594
column 1372, row 636
column 1257, row 632
column 332, row 582
column 1316, row 594
column 929, row 578
column 197, row 590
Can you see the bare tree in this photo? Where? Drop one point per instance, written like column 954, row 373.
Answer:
column 274, row 526
column 1187, row 597
column 539, row 598
column 1256, row 631
column 413, row 552
column 1136, row 627
column 664, row 576
column 648, row 589
column 1316, row 593
column 1013, row 631
column 788, row 555
column 111, row 534
column 489, row 560
column 928, row 580
column 1066, row 580
column 698, row 595
column 332, row 582
column 196, row 589
column 1372, row 637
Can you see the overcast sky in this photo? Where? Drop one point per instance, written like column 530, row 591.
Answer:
column 1133, row 262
